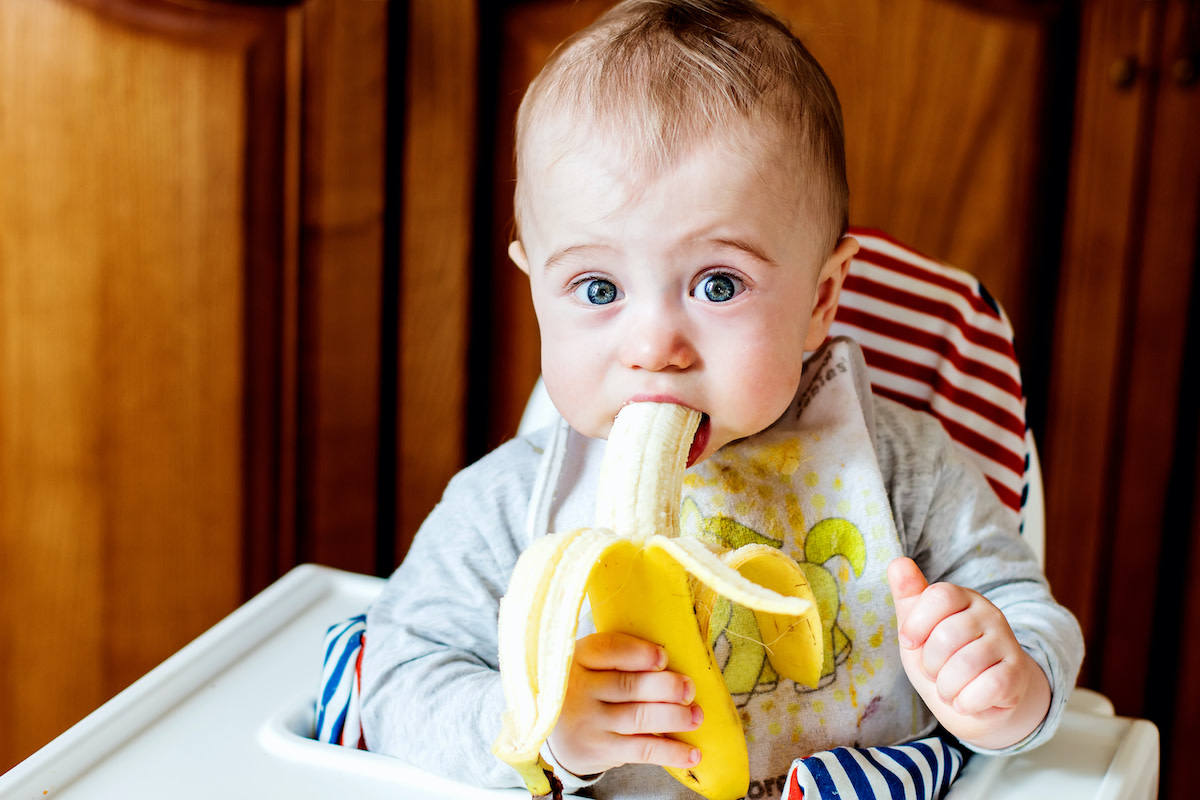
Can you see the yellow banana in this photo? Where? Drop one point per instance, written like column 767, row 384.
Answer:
column 793, row 645
column 634, row 568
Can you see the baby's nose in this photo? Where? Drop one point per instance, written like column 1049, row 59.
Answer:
column 656, row 342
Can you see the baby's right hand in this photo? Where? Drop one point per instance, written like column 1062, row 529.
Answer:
column 619, row 696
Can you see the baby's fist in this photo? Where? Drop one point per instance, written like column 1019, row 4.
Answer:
column 962, row 658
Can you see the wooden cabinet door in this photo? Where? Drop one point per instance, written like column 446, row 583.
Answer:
column 190, row 269
column 1120, row 448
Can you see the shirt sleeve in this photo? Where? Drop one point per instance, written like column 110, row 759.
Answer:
column 431, row 691
column 955, row 528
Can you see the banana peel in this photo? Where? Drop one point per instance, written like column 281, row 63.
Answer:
column 642, row 578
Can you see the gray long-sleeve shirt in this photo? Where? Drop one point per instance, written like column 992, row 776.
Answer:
column 431, row 688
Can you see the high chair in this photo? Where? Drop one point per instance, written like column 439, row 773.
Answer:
column 232, row 714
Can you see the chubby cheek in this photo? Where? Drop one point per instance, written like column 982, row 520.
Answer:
column 573, row 378
column 569, row 360
column 759, row 406
column 759, row 384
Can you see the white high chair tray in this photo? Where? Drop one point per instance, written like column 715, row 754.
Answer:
column 229, row 716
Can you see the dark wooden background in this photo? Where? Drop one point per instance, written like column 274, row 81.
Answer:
column 255, row 308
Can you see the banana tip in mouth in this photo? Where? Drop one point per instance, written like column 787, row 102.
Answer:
column 700, row 440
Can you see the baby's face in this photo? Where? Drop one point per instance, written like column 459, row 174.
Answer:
column 703, row 287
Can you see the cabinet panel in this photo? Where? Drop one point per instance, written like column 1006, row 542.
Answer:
column 437, row 234
column 1090, row 319
column 140, row 266
column 342, row 203
column 1140, row 540
column 1114, row 447
column 1158, row 289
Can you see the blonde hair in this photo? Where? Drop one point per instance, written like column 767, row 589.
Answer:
column 652, row 79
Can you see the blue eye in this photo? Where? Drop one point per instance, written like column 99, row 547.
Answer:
column 719, row 287
column 597, row 291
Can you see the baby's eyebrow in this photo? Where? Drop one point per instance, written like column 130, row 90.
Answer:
column 727, row 242
column 745, row 246
column 565, row 253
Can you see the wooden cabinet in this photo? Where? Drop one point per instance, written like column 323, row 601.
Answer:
column 190, row 301
column 1121, row 435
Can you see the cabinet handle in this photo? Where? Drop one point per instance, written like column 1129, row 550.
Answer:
column 1185, row 71
column 1123, row 72
column 1186, row 67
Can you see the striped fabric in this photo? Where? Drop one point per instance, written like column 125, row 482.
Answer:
column 920, row 770
column 337, row 720
column 935, row 340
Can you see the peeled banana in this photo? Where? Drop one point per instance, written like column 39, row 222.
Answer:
column 634, row 567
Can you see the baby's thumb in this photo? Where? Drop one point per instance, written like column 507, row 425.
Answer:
column 907, row 582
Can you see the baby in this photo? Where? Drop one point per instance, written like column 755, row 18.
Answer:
column 682, row 208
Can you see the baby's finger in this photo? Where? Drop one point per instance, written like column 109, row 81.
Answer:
column 965, row 666
column 937, row 603
column 631, row 719
column 619, row 651
column 660, row 750
column 947, row 639
column 906, row 582
column 998, row 688
column 614, row 686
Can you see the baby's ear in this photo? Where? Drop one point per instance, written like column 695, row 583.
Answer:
column 516, row 251
column 828, row 290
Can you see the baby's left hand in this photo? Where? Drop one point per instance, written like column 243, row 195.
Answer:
column 963, row 659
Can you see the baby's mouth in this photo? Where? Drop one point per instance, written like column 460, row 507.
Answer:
column 700, row 440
